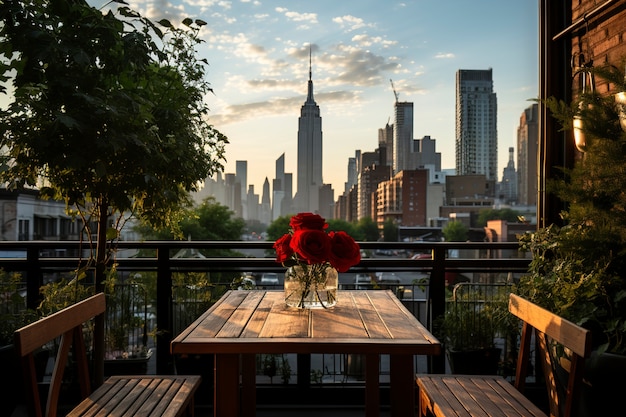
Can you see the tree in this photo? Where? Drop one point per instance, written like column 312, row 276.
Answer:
column 108, row 112
column 278, row 227
column 455, row 231
column 208, row 221
column 336, row 225
column 497, row 214
column 369, row 229
column 390, row 231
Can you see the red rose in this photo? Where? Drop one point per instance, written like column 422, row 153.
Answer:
column 283, row 250
column 344, row 251
column 312, row 246
column 308, row 221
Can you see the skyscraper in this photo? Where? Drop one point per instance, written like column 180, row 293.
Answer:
column 241, row 176
column 309, row 153
column 402, row 136
column 508, row 186
column 527, row 136
column 476, row 124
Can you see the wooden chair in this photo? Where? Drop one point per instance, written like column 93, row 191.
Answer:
column 119, row 395
column 474, row 395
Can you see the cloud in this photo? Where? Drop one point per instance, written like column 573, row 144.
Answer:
column 278, row 107
column 298, row 17
column 358, row 67
column 351, row 22
column 444, row 55
column 366, row 41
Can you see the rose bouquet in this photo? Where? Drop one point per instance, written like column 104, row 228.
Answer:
column 313, row 258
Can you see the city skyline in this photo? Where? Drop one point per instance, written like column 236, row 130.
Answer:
column 258, row 54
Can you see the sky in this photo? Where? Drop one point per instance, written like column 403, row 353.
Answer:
column 258, row 54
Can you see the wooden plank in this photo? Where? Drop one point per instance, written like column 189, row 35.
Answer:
column 436, row 398
column 213, row 323
column 286, row 322
column 185, row 333
column 164, row 401
column 402, row 390
column 98, row 398
column 36, row 334
column 239, row 319
column 372, row 385
column 465, row 397
column 372, row 322
column 496, row 401
column 453, row 395
column 524, row 406
column 226, row 387
column 259, row 317
column 184, row 397
column 341, row 321
column 399, row 324
column 564, row 331
column 136, row 398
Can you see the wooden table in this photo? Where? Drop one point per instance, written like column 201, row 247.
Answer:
column 244, row 323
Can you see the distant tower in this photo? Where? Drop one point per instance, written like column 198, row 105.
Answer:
column 241, row 176
column 527, row 136
column 385, row 140
column 508, row 186
column 402, row 136
column 476, row 124
column 309, row 152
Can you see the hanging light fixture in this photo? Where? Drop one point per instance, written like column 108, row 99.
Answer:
column 587, row 86
column 620, row 99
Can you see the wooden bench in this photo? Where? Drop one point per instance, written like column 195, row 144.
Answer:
column 475, row 395
column 119, row 395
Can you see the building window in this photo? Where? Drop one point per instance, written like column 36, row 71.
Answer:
column 45, row 227
column 23, row 232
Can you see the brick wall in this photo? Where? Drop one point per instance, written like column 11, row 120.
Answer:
column 602, row 38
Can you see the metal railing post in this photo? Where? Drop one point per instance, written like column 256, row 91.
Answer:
column 437, row 300
column 164, row 336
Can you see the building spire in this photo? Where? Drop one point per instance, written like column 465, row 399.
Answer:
column 309, row 97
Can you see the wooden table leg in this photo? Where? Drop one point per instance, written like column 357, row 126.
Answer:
column 226, row 386
column 248, row 383
column 372, row 385
column 402, row 395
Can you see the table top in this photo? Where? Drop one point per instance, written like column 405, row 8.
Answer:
column 362, row 322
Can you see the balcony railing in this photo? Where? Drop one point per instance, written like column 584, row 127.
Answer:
column 176, row 305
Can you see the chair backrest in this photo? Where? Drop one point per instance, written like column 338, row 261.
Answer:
column 549, row 325
column 68, row 325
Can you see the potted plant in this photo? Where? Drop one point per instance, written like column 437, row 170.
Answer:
column 577, row 269
column 469, row 329
column 127, row 325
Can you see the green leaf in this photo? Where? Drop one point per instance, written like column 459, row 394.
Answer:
column 112, row 233
column 166, row 23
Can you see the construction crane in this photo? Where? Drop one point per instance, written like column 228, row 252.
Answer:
column 394, row 90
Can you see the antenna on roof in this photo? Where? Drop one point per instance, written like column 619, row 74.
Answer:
column 310, row 62
column 394, row 90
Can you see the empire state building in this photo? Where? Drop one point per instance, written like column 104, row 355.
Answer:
column 309, row 153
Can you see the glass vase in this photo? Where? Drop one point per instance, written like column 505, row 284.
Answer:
column 311, row 286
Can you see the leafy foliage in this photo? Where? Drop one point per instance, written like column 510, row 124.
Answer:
column 108, row 111
column 208, row 221
column 577, row 270
column 455, row 231
column 497, row 214
column 390, row 231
